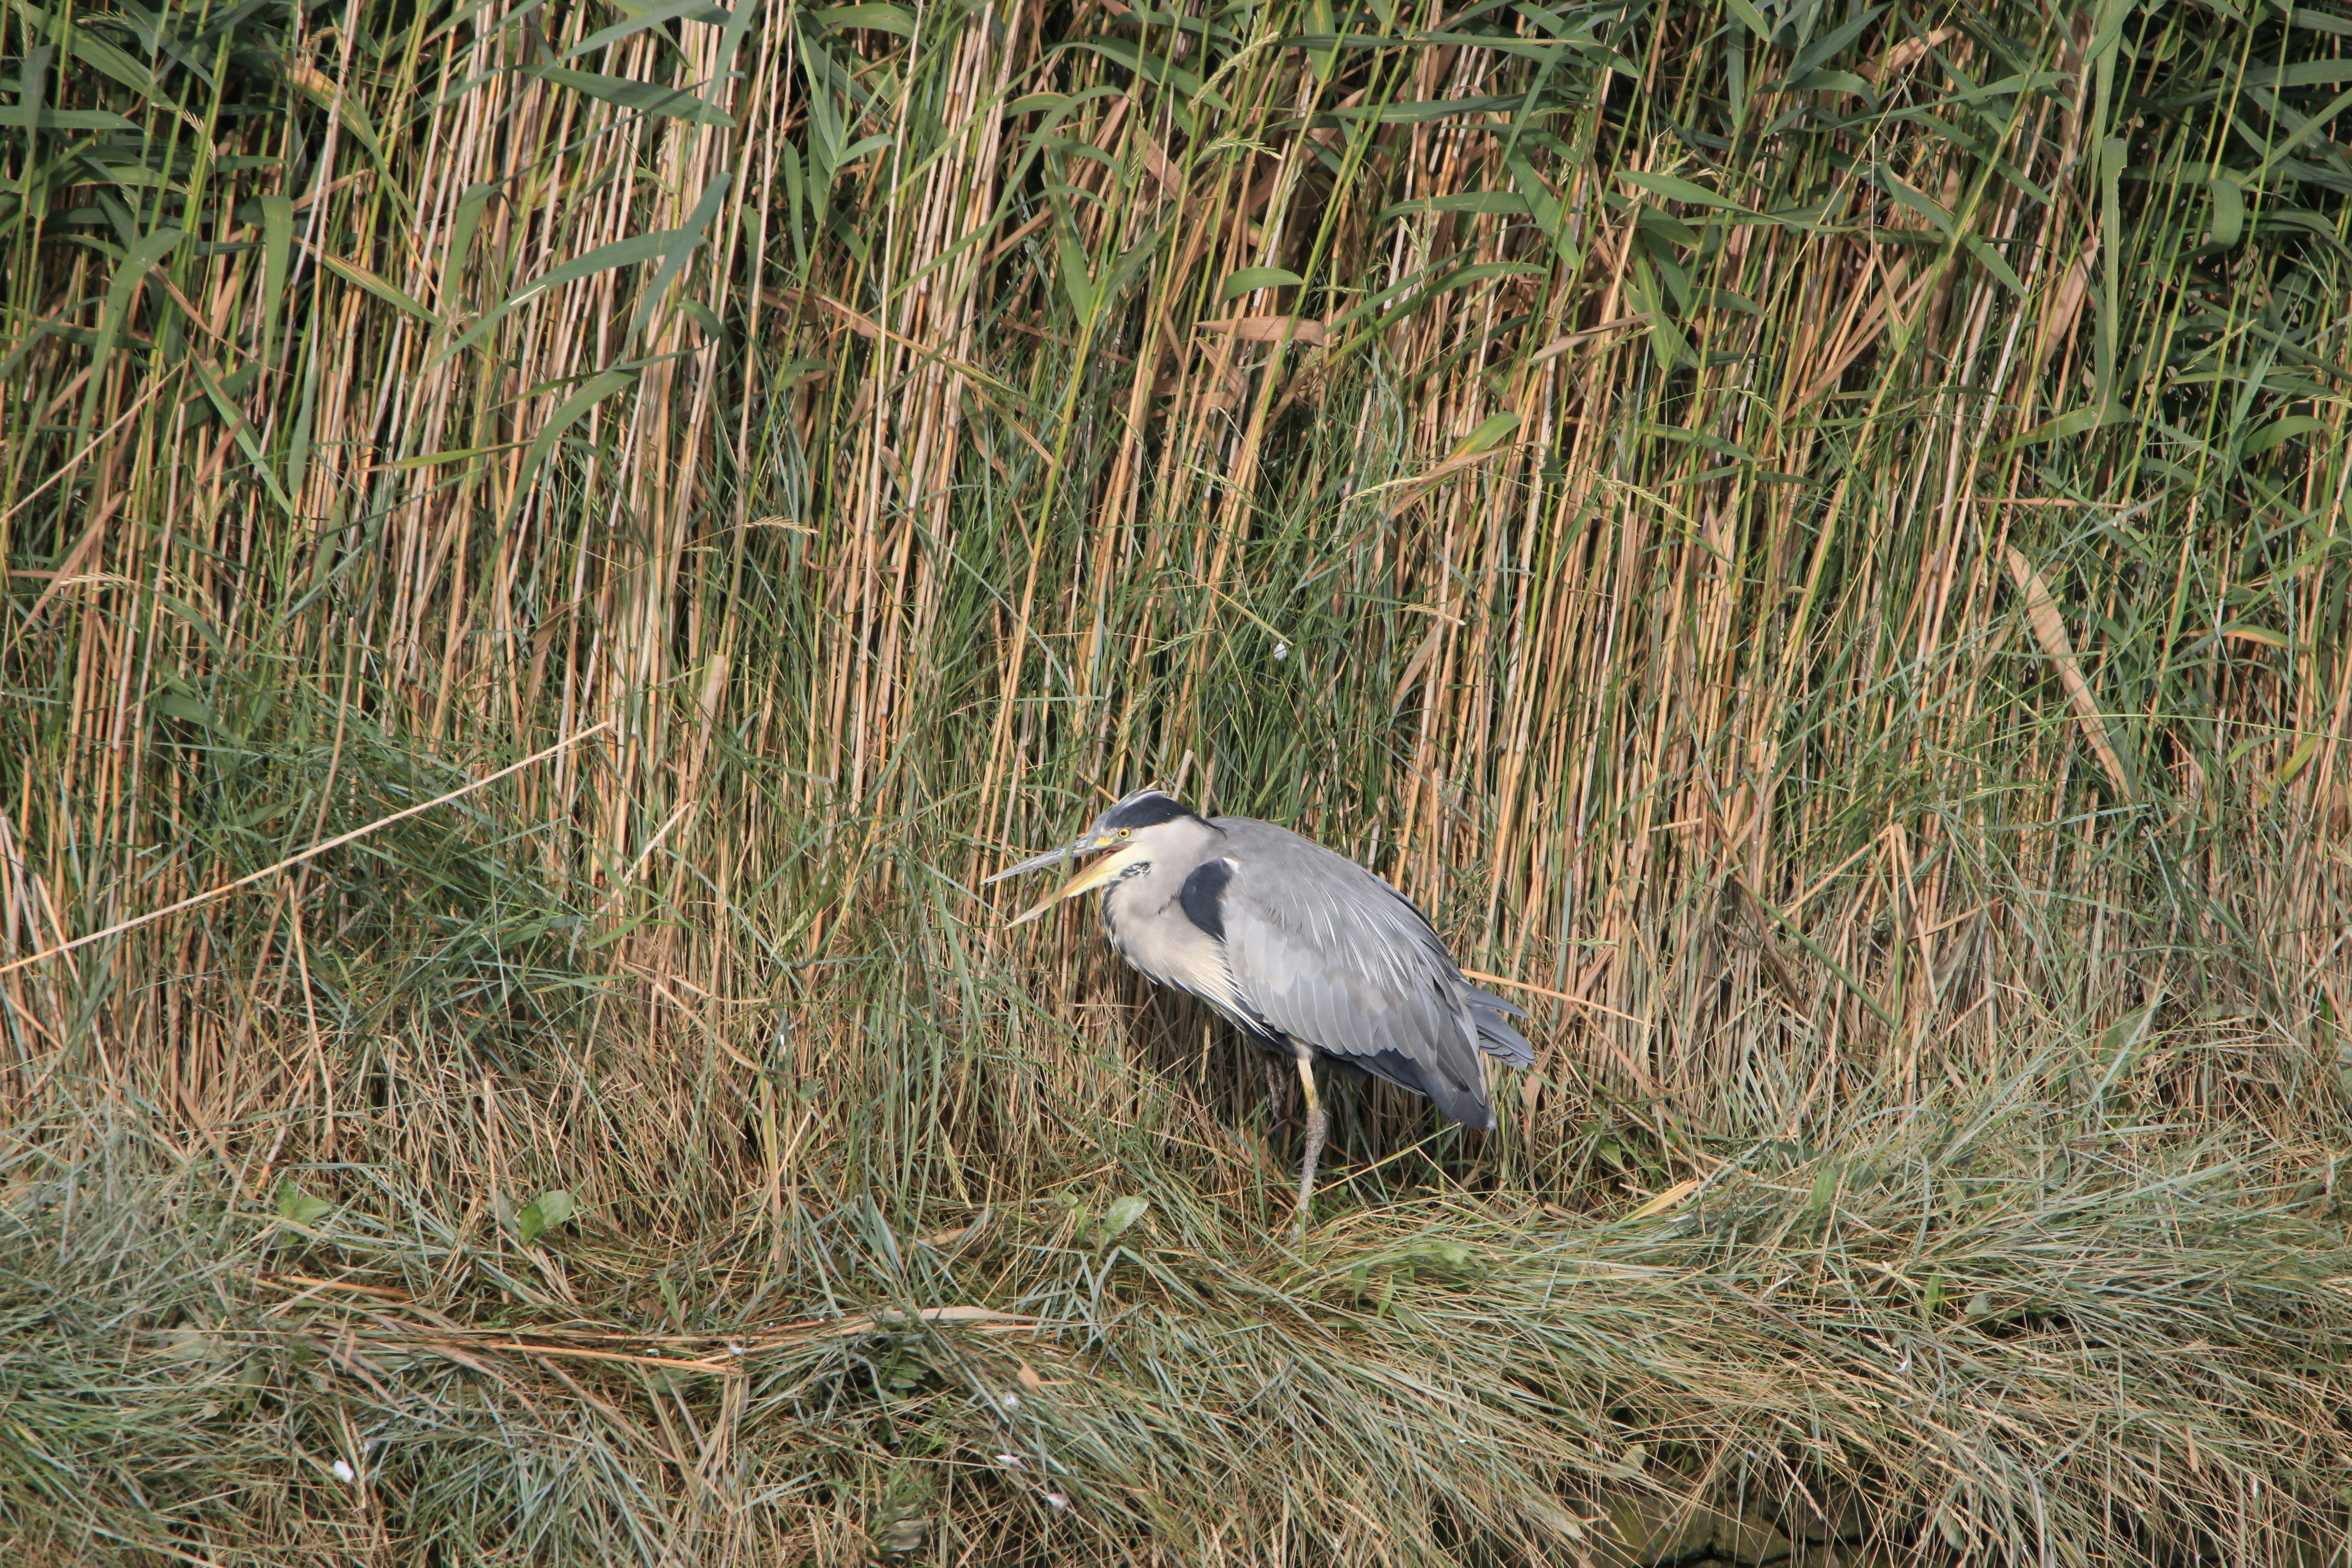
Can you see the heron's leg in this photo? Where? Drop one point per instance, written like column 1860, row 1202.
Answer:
column 1318, row 1124
column 1273, row 1089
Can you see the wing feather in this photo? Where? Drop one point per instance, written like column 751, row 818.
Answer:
column 1334, row 957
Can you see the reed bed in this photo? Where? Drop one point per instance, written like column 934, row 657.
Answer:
column 1811, row 540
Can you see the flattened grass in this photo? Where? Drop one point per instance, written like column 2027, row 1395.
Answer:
column 1990, row 1327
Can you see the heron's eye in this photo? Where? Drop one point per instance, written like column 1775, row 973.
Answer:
column 1125, row 833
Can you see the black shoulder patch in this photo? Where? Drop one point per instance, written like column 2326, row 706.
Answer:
column 1145, row 808
column 1203, row 897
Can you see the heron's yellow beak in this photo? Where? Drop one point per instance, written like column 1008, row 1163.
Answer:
column 1106, row 869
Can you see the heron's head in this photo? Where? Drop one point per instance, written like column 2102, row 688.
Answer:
column 1145, row 823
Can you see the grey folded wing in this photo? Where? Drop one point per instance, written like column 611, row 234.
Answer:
column 1328, row 954
column 1495, row 1037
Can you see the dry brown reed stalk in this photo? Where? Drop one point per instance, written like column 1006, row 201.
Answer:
column 1577, row 460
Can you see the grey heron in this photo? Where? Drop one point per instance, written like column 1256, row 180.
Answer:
column 1308, row 954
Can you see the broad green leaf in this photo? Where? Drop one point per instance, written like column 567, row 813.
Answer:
column 18, row 117
column 1822, row 48
column 1422, row 112
column 189, row 709
column 1077, row 270
column 1322, row 55
column 2298, row 760
column 1751, row 19
column 1992, row 262
column 1391, row 305
column 1725, row 300
column 463, row 225
column 2120, row 1043
column 299, row 1207
column 643, row 97
column 629, row 252
column 1658, row 224
column 1449, row 1256
column 32, row 82
column 2311, row 223
column 452, row 455
column 2303, row 73
column 353, row 272
column 346, row 106
column 802, row 201
column 2229, row 210
column 1151, row 68
column 1250, row 277
column 1668, row 346
column 533, row 1218
column 241, row 428
column 730, row 37
column 1545, row 209
column 1700, row 439
column 1505, row 203
column 2285, row 429
column 90, row 48
column 2108, row 16
column 2308, row 131
column 298, row 445
column 1121, row 1215
column 1735, row 72
column 1541, row 50
column 2112, row 152
column 142, row 260
column 460, row 15
column 1489, row 434
column 859, row 148
column 1542, row 204
column 2120, row 1035
column 276, row 256
column 2009, row 86
column 1676, row 190
column 1825, row 1186
column 2074, row 422
column 799, row 370
column 577, row 404
column 1123, row 272
column 876, row 18
column 1834, row 81
column 1917, row 201
column 674, row 11
column 682, row 243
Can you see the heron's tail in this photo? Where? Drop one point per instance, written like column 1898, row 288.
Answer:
column 1495, row 1035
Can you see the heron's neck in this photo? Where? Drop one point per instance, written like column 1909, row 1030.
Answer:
column 1141, row 898
column 1145, row 923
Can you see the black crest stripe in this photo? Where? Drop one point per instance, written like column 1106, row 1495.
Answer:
column 1203, row 897
column 1145, row 811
